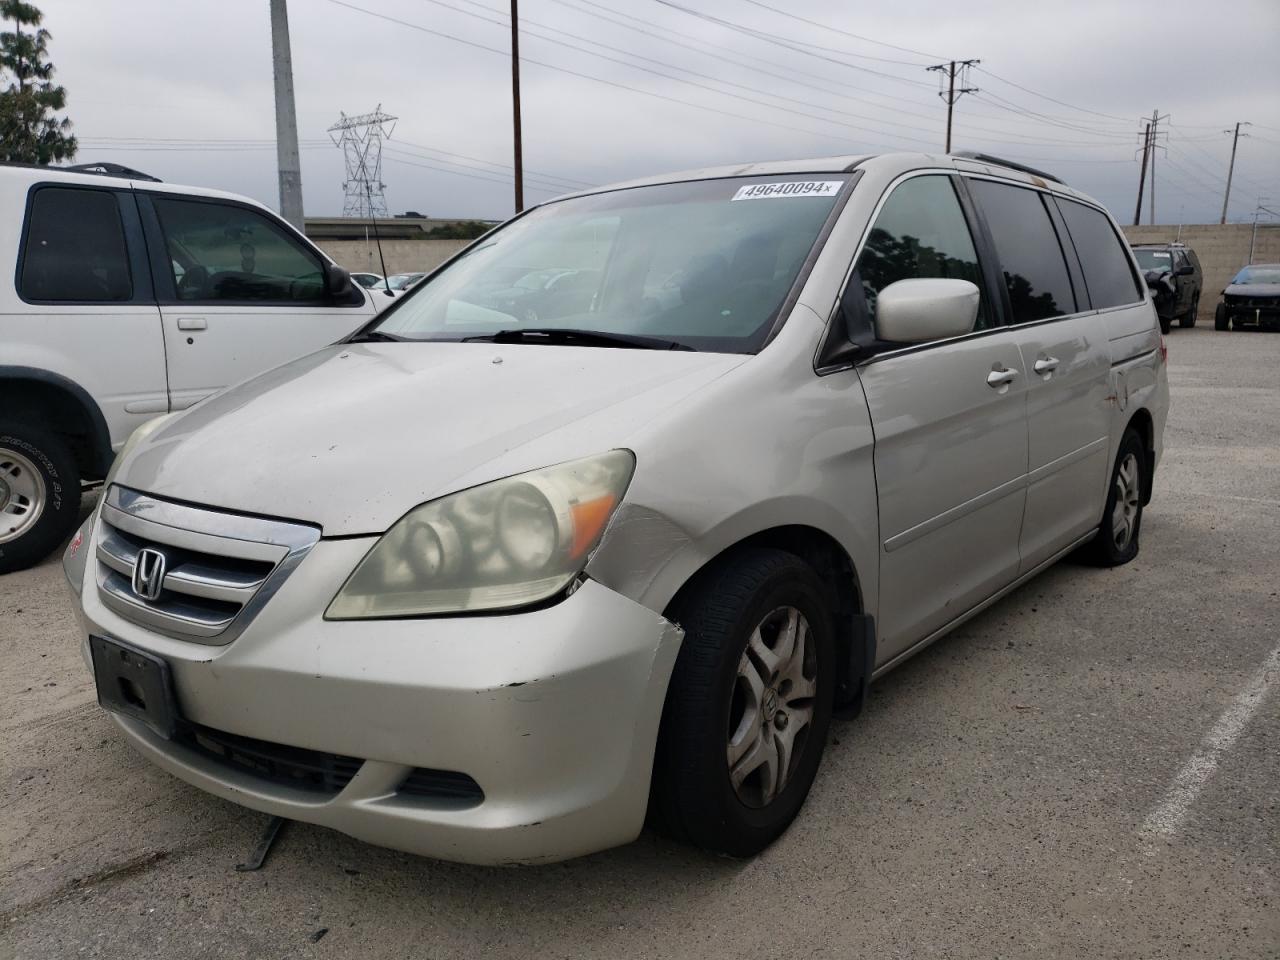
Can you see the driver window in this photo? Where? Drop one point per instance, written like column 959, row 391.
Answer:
column 921, row 232
column 224, row 253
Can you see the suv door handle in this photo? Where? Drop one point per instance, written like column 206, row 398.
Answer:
column 192, row 323
column 1046, row 365
column 1001, row 378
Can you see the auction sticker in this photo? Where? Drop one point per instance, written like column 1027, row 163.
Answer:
column 789, row 188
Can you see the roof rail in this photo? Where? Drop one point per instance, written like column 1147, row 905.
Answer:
column 111, row 170
column 1011, row 164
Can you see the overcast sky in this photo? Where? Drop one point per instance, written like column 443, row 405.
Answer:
column 183, row 90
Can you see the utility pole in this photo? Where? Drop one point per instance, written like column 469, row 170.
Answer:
column 286, row 118
column 1231, row 167
column 1155, row 125
column 951, row 70
column 1142, row 173
column 515, row 105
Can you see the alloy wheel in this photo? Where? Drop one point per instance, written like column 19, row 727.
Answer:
column 772, row 707
column 22, row 494
column 1124, row 515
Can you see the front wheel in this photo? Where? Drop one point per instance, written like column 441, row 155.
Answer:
column 39, row 494
column 749, row 705
column 1220, row 320
column 1116, row 542
column 1189, row 318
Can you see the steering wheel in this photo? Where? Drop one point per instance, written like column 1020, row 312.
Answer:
column 193, row 283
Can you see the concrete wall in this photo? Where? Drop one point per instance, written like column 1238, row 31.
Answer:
column 1222, row 248
column 402, row 256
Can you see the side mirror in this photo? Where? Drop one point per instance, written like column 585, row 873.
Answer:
column 930, row 308
column 337, row 281
column 1185, row 270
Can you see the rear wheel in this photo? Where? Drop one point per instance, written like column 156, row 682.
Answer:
column 39, row 494
column 1116, row 542
column 749, row 704
column 1220, row 319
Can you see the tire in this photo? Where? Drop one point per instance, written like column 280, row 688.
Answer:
column 1220, row 320
column 1128, row 480
column 39, row 494
column 1189, row 318
column 710, row 707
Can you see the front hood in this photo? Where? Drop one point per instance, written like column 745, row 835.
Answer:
column 353, row 436
column 1267, row 290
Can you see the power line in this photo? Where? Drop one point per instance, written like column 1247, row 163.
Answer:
column 845, row 33
column 1045, row 96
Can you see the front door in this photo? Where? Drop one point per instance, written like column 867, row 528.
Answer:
column 245, row 294
column 950, row 429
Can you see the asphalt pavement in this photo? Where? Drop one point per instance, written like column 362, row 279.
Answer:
column 1088, row 769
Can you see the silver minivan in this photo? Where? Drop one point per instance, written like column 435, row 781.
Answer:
column 613, row 512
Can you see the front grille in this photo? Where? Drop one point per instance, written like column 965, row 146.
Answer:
column 297, row 767
column 218, row 568
column 457, row 788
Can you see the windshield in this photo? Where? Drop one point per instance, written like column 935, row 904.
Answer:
column 403, row 280
column 1154, row 259
column 705, row 265
column 1260, row 273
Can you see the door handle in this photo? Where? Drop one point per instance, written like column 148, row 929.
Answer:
column 1046, row 365
column 192, row 323
column 1001, row 378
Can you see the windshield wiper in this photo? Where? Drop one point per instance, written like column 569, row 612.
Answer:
column 376, row 336
column 566, row 335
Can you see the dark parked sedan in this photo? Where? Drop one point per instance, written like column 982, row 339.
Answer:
column 1252, row 299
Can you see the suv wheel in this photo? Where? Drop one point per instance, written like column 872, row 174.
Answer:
column 749, row 704
column 1220, row 321
column 39, row 494
column 1189, row 318
column 1117, row 540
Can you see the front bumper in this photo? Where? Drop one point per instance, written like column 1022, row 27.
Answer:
column 1247, row 314
column 554, row 713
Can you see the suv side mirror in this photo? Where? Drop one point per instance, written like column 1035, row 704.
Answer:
column 337, row 281
column 924, row 309
column 1185, row 270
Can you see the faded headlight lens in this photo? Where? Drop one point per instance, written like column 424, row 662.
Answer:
column 498, row 546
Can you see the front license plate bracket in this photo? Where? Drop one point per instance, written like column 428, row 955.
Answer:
column 135, row 684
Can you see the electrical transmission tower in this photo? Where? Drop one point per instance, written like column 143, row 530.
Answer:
column 360, row 137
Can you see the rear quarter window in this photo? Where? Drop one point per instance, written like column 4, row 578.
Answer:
column 1108, row 275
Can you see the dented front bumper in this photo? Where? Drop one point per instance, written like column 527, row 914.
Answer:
column 553, row 713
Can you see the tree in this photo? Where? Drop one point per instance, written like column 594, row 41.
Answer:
column 29, row 130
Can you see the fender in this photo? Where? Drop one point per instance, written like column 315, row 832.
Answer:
column 99, row 437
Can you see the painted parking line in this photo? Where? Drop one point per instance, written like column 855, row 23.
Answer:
column 1166, row 819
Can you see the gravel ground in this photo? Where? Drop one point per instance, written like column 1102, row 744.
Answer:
column 990, row 802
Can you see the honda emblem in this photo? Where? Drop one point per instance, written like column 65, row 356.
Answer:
column 148, row 573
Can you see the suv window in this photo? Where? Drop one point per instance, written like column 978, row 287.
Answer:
column 74, row 250
column 221, row 252
column 1107, row 274
column 1031, row 259
column 921, row 231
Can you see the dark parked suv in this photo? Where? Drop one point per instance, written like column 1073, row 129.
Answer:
column 1174, row 275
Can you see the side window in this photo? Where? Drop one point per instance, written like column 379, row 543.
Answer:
column 1107, row 273
column 74, row 250
column 921, row 232
column 1030, row 255
column 220, row 252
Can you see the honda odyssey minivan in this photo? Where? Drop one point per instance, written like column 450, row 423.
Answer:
column 609, row 515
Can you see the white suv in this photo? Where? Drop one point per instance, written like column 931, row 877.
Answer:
column 523, row 559
column 129, row 298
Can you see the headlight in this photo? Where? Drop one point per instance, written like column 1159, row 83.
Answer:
column 135, row 438
column 497, row 546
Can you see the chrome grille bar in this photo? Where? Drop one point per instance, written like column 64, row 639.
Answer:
column 220, row 568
